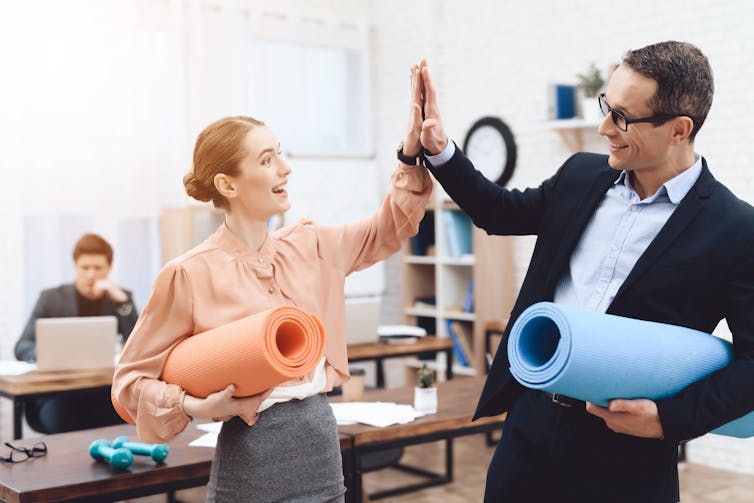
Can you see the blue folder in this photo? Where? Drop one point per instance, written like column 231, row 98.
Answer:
column 598, row 357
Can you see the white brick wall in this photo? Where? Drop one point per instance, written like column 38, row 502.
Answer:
column 495, row 58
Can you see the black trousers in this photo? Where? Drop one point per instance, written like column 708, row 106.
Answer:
column 550, row 453
column 80, row 411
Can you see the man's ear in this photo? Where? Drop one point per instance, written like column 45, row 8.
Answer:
column 224, row 185
column 682, row 128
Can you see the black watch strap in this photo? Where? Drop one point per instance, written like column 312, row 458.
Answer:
column 408, row 159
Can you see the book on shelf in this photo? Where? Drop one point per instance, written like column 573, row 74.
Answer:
column 425, row 303
column 423, row 242
column 458, row 351
column 561, row 101
column 468, row 301
column 464, row 334
column 458, row 233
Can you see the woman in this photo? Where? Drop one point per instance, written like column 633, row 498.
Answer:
column 282, row 444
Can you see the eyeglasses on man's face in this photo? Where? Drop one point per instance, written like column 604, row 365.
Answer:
column 621, row 122
column 19, row 454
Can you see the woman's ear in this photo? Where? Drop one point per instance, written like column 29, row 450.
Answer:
column 224, row 185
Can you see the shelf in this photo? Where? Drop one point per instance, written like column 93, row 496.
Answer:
column 420, row 259
column 421, row 311
column 458, row 315
column 463, row 260
column 571, row 131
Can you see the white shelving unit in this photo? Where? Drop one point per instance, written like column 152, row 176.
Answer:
column 446, row 278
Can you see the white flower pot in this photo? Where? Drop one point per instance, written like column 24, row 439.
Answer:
column 425, row 400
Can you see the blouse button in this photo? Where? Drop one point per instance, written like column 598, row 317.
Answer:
column 271, row 291
column 260, row 261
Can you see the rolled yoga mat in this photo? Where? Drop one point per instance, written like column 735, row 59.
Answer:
column 598, row 357
column 255, row 353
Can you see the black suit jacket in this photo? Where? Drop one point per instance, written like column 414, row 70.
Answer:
column 60, row 302
column 697, row 271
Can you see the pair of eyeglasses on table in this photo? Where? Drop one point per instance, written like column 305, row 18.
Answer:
column 20, row 454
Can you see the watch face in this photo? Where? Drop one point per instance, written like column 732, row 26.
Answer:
column 486, row 149
column 491, row 148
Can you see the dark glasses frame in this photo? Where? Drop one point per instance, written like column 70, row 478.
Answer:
column 622, row 122
column 21, row 454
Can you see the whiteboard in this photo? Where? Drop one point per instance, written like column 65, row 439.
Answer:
column 336, row 192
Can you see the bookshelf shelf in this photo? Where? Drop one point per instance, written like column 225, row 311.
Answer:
column 571, row 131
column 470, row 282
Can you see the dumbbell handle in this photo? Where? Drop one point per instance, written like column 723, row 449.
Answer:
column 118, row 458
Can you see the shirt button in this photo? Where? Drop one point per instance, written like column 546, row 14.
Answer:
column 634, row 208
column 614, row 248
column 271, row 291
column 599, row 290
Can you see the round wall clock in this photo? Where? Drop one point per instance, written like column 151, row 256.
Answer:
column 490, row 146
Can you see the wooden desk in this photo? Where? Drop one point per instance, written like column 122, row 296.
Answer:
column 456, row 402
column 68, row 472
column 20, row 388
column 379, row 351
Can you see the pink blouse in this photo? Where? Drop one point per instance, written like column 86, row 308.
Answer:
column 223, row 280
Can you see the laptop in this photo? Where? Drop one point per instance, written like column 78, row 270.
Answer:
column 86, row 342
column 362, row 319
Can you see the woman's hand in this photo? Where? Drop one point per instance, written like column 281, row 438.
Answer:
column 411, row 145
column 221, row 405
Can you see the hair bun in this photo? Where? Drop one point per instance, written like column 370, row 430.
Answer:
column 195, row 188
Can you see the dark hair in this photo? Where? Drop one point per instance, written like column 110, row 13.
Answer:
column 92, row 244
column 218, row 149
column 684, row 79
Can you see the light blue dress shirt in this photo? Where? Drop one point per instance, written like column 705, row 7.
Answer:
column 620, row 230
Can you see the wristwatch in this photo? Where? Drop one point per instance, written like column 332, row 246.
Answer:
column 410, row 160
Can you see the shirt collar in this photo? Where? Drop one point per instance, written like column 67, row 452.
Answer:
column 678, row 186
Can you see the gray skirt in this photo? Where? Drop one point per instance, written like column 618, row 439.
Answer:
column 291, row 454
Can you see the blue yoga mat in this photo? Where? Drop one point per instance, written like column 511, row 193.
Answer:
column 598, row 357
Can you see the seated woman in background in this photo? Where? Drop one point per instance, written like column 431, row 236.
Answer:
column 271, row 447
column 92, row 294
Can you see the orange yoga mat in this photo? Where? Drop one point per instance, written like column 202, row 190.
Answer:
column 254, row 353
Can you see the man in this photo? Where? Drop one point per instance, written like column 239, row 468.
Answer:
column 92, row 294
column 645, row 232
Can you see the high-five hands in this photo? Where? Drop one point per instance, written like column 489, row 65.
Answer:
column 633, row 417
column 411, row 146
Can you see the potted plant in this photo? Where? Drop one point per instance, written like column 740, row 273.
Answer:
column 425, row 394
column 590, row 84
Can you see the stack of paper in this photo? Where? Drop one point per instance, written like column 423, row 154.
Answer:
column 378, row 414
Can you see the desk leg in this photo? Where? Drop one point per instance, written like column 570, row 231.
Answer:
column 449, row 366
column 18, row 416
column 357, row 489
column 380, row 373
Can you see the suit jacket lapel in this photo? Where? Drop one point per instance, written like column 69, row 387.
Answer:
column 575, row 227
column 678, row 221
column 68, row 303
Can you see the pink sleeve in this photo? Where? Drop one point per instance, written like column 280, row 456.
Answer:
column 358, row 245
column 156, row 406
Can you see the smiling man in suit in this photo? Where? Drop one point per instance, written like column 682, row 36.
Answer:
column 645, row 232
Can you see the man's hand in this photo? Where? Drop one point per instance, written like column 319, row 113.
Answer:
column 411, row 146
column 433, row 136
column 632, row 417
column 105, row 286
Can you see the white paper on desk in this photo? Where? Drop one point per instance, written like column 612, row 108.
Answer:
column 378, row 414
column 14, row 368
column 213, row 427
column 206, row 440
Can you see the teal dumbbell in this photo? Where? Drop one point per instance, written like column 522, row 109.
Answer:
column 118, row 458
column 158, row 452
